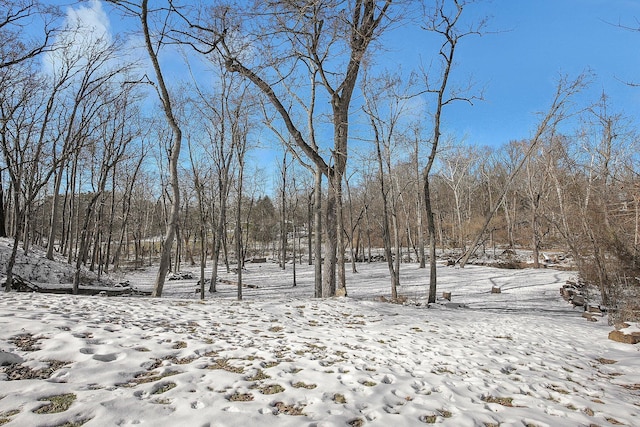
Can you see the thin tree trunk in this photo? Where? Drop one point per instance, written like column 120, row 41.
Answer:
column 55, row 213
column 309, row 227
column 112, row 215
column 386, row 233
column 283, row 214
column 3, row 215
column 84, row 233
column 217, row 244
column 317, row 231
column 293, row 249
column 238, row 231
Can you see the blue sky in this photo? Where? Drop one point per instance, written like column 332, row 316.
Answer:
column 529, row 44
column 535, row 42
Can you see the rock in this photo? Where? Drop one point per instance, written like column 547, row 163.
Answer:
column 621, row 325
column 578, row 300
column 590, row 316
column 455, row 305
column 567, row 291
column 180, row 275
column 625, row 338
column 594, row 309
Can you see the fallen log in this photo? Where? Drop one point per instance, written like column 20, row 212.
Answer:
column 231, row 282
column 21, row 284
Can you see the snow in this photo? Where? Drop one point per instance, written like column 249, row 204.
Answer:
column 521, row 357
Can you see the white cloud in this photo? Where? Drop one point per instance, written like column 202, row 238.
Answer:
column 86, row 27
column 90, row 20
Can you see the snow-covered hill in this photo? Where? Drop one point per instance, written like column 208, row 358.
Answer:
column 35, row 267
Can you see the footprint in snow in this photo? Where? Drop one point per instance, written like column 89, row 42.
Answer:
column 109, row 357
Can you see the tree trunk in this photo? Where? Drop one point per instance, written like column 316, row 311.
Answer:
column 17, row 214
column 84, row 233
column 203, row 237
column 386, row 237
column 431, row 228
column 310, row 227
column 283, row 214
column 317, row 231
column 55, row 213
column 238, row 231
column 3, row 212
column 293, row 250
column 112, row 215
column 217, row 243
column 330, row 230
column 340, row 105
column 174, row 154
column 341, row 279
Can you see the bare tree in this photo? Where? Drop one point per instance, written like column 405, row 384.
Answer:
column 386, row 107
column 284, row 185
column 24, row 108
column 538, row 187
column 419, row 201
column 153, row 41
column 601, row 202
column 129, row 181
column 240, row 135
column 315, row 197
column 174, row 150
column 316, row 33
column 113, row 138
column 446, row 21
column 222, row 114
column 82, row 70
column 455, row 172
column 558, row 111
column 199, row 179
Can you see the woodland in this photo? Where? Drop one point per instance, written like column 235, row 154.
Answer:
column 109, row 165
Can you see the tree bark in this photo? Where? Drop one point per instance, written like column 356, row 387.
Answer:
column 317, row 231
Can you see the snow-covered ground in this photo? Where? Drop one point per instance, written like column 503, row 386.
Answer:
column 523, row 357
